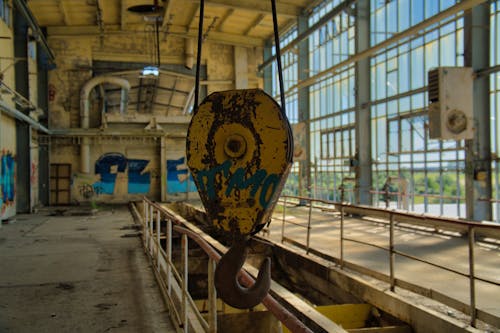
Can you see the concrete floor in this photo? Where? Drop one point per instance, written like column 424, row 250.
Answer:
column 440, row 249
column 77, row 273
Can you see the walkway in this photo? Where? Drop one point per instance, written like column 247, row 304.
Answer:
column 77, row 273
column 448, row 250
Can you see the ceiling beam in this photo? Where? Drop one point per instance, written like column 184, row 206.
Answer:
column 193, row 16
column 223, row 19
column 123, row 14
column 260, row 6
column 167, row 8
column 64, row 12
column 175, row 30
column 255, row 23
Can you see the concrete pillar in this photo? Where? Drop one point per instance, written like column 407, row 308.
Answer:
column 163, row 169
column 240, row 67
column 478, row 150
column 43, row 150
column 304, row 114
column 23, row 130
column 267, row 72
column 363, row 119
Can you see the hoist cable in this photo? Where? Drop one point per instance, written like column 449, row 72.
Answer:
column 278, row 56
column 198, row 57
column 277, row 48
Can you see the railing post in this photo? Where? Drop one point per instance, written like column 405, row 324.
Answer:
column 158, row 246
column 283, row 221
column 184, row 245
column 472, row 278
column 169, row 256
column 145, row 223
column 212, row 298
column 309, row 227
column 391, row 251
column 342, row 236
column 150, row 229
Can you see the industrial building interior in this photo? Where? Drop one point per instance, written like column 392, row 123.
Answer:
column 362, row 160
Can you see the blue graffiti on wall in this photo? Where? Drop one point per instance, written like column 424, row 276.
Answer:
column 177, row 177
column 7, row 179
column 138, row 181
column 108, row 166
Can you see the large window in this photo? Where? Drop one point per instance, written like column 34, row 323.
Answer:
column 495, row 103
column 331, row 105
column 409, row 169
column 5, row 11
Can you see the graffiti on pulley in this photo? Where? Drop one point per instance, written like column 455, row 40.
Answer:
column 267, row 183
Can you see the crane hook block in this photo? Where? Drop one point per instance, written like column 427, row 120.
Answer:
column 239, row 149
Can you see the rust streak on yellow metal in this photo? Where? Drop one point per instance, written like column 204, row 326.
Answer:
column 239, row 151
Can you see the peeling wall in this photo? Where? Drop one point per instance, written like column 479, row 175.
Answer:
column 74, row 59
column 180, row 184
column 7, row 129
column 120, row 172
column 124, row 172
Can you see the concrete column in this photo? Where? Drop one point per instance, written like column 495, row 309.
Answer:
column 43, row 150
column 304, row 113
column 240, row 67
column 478, row 150
column 267, row 72
column 363, row 118
column 163, row 169
column 23, row 130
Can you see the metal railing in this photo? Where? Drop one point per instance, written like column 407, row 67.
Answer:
column 409, row 219
column 159, row 223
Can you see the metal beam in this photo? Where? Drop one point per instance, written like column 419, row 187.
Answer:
column 64, row 12
column 167, row 9
column 363, row 117
column 223, row 19
column 259, row 6
column 26, row 12
column 123, row 14
column 306, row 33
column 175, row 30
column 478, row 173
column 413, row 31
column 193, row 16
column 254, row 24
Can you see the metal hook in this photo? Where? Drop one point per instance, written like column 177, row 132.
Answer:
column 226, row 279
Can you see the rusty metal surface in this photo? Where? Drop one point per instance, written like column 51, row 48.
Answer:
column 239, row 150
column 227, row 281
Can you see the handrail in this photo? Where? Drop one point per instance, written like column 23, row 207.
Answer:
column 419, row 216
column 468, row 227
column 152, row 238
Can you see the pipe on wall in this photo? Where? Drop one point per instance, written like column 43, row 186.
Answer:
column 85, row 111
column 21, row 116
column 189, row 53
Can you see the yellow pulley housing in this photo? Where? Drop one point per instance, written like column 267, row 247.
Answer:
column 239, row 150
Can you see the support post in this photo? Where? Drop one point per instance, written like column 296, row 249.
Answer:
column 472, row 278
column 169, row 256
column 309, row 228
column 478, row 150
column 342, row 236
column 391, row 252
column 283, row 221
column 184, row 245
column 212, row 298
column 158, row 246
column 363, row 169
column 303, row 111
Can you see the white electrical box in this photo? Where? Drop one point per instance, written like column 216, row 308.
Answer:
column 450, row 103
